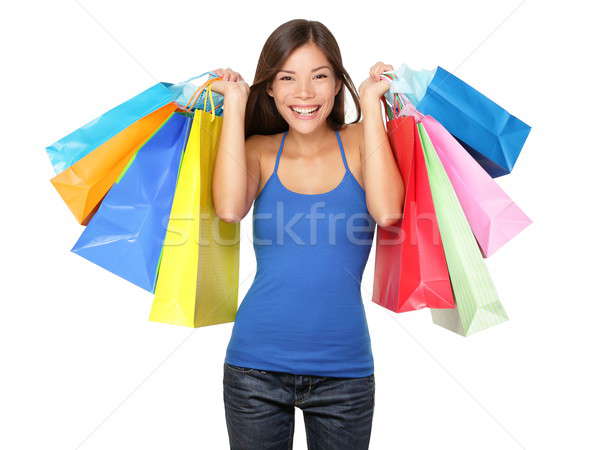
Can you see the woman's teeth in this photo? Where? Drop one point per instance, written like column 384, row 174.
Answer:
column 304, row 111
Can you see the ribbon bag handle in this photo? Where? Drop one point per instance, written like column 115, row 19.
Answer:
column 388, row 110
column 214, row 75
column 401, row 106
column 194, row 98
column 209, row 95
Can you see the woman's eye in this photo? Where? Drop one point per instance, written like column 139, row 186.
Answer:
column 286, row 77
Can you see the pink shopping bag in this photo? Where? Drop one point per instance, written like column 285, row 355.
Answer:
column 494, row 218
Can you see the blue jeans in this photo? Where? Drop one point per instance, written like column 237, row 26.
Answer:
column 260, row 406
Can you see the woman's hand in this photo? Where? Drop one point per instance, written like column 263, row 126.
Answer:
column 376, row 85
column 231, row 83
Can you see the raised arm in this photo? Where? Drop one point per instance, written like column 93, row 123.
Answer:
column 236, row 172
column 384, row 186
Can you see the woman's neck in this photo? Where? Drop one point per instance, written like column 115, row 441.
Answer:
column 311, row 143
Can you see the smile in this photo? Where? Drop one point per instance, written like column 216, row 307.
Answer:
column 305, row 113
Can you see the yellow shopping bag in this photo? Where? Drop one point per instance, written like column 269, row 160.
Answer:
column 198, row 275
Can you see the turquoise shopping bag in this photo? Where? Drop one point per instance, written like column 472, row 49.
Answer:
column 71, row 148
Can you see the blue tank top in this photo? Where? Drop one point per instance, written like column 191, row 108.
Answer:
column 304, row 312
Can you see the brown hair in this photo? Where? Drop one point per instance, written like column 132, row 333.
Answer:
column 262, row 116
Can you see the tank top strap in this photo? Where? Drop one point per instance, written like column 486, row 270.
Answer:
column 339, row 139
column 279, row 151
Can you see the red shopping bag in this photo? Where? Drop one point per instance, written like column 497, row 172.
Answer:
column 410, row 266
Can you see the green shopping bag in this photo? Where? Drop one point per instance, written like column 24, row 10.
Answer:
column 477, row 304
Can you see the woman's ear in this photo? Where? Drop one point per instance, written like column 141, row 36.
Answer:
column 269, row 90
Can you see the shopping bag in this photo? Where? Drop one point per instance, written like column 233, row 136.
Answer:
column 477, row 304
column 83, row 185
column 410, row 266
column 190, row 98
column 494, row 218
column 67, row 151
column 126, row 234
column 492, row 135
column 198, row 273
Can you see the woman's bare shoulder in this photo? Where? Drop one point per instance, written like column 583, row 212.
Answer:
column 263, row 138
column 263, row 144
column 354, row 125
column 352, row 135
column 263, row 149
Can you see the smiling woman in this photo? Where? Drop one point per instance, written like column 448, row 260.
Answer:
column 301, row 337
column 316, row 68
column 286, row 88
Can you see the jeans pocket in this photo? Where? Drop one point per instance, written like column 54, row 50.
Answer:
column 238, row 368
column 241, row 369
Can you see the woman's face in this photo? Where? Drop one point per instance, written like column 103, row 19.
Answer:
column 304, row 89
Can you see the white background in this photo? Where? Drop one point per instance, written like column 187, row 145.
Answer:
column 84, row 368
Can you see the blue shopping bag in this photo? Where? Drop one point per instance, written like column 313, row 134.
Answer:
column 71, row 148
column 489, row 132
column 126, row 234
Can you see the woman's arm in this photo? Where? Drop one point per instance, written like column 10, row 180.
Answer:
column 382, row 179
column 236, row 172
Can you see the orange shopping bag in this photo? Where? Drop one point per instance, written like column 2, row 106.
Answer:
column 84, row 184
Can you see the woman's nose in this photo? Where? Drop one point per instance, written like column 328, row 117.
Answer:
column 304, row 89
